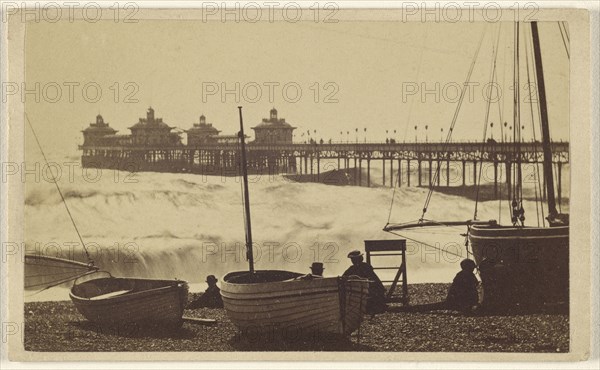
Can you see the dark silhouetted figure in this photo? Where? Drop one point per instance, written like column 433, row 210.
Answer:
column 494, row 279
column 376, row 299
column 211, row 298
column 316, row 271
column 462, row 295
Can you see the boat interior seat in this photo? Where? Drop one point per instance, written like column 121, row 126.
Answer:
column 112, row 294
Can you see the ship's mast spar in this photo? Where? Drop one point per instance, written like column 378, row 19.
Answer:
column 248, row 224
column 539, row 70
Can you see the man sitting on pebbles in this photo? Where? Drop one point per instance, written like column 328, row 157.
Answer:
column 211, row 297
column 462, row 295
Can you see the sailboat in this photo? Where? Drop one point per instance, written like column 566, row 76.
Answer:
column 287, row 303
column 100, row 297
column 519, row 264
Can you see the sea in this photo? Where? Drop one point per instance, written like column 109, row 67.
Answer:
column 187, row 226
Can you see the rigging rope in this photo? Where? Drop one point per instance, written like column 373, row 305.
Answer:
column 453, row 123
column 566, row 29
column 410, row 107
column 58, row 188
column 517, row 211
column 557, row 182
column 563, row 39
column 528, row 55
column 542, row 189
column 396, row 184
column 502, row 123
column 244, row 216
column 485, row 121
column 427, row 244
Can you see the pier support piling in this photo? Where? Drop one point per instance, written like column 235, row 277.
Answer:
column 369, row 173
column 419, row 171
column 495, row 179
column 430, row 165
column 360, row 172
column 408, row 173
column 399, row 172
column 559, row 182
column 383, row 166
column 508, row 179
column 318, row 167
column 448, row 173
column 391, row 172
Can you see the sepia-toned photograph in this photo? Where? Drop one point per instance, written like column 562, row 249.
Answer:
column 294, row 178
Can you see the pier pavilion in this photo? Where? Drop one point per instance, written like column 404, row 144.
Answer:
column 276, row 153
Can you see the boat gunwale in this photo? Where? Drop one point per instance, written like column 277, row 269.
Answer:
column 299, row 294
column 510, row 227
column 129, row 296
column 325, row 282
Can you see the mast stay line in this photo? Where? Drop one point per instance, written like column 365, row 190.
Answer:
column 59, row 191
column 453, row 123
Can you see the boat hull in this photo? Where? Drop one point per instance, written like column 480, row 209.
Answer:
column 528, row 265
column 110, row 300
column 294, row 307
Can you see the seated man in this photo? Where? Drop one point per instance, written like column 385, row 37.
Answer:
column 462, row 294
column 316, row 270
column 211, row 297
column 376, row 300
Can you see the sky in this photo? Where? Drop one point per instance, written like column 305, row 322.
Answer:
column 351, row 75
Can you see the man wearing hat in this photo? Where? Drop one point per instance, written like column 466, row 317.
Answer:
column 211, row 297
column 316, row 271
column 462, row 294
column 376, row 300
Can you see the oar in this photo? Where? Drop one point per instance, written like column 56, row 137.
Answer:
column 199, row 321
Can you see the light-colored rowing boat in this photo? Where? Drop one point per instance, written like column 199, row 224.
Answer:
column 287, row 303
column 282, row 301
column 104, row 299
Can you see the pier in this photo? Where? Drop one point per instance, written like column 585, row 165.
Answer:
column 152, row 146
column 397, row 160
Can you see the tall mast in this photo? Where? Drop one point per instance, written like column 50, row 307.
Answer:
column 246, row 196
column 552, row 213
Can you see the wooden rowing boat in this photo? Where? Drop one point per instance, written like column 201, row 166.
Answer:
column 522, row 264
column 281, row 301
column 109, row 300
column 288, row 303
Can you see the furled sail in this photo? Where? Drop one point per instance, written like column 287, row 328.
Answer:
column 43, row 272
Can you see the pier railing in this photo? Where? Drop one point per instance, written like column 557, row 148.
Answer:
column 530, row 152
column 399, row 161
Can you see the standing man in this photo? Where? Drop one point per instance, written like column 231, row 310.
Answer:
column 376, row 300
